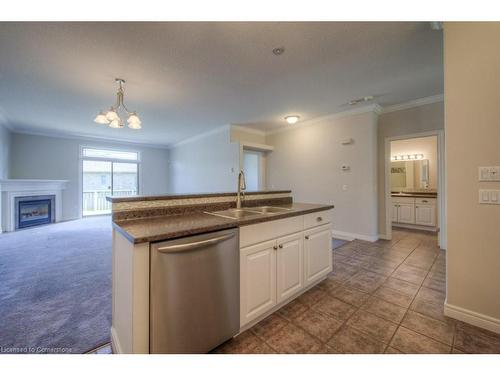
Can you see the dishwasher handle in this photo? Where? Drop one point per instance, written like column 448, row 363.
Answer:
column 193, row 245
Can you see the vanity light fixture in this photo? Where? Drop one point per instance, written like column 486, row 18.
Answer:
column 292, row 119
column 112, row 117
column 407, row 157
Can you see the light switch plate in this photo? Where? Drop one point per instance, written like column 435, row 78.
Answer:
column 489, row 173
column 488, row 196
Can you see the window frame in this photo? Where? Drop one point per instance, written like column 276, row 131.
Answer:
column 82, row 157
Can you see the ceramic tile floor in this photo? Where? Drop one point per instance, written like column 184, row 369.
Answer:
column 382, row 297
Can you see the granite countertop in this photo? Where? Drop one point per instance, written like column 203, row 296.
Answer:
column 175, row 226
column 135, row 198
column 422, row 194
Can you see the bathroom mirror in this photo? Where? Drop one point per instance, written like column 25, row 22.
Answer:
column 410, row 174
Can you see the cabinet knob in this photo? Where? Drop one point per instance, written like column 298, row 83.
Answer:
column 424, row 201
column 275, row 247
column 307, row 237
column 319, row 218
column 280, row 246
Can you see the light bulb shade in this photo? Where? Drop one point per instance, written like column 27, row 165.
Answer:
column 111, row 115
column 134, row 125
column 101, row 118
column 292, row 119
column 116, row 123
column 134, row 119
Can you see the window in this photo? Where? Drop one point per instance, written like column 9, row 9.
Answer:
column 107, row 172
column 96, row 153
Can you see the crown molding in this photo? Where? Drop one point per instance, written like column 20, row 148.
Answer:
column 373, row 108
column 201, row 136
column 84, row 137
column 413, row 103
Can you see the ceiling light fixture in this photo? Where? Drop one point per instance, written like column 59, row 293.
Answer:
column 361, row 100
column 112, row 117
column 292, row 119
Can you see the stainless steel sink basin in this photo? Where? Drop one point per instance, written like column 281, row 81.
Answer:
column 235, row 213
column 238, row 213
column 270, row 209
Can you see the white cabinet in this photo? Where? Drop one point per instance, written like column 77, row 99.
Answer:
column 394, row 212
column 414, row 211
column 274, row 271
column 425, row 214
column 406, row 213
column 257, row 280
column 290, row 258
column 317, row 254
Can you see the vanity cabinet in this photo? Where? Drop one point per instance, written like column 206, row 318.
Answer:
column 425, row 212
column 414, row 211
column 274, row 271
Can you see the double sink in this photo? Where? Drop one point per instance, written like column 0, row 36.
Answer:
column 239, row 213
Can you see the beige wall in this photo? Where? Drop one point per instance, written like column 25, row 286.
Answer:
column 308, row 161
column 240, row 135
column 206, row 164
column 472, row 112
column 415, row 120
column 424, row 145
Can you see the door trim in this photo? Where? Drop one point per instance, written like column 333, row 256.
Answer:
column 441, row 198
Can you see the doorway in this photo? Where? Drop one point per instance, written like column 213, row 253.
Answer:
column 253, row 167
column 105, row 173
column 415, row 183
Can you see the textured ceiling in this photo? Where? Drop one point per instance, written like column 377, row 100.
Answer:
column 188, row 78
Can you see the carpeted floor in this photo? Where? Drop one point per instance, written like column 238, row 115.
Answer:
column 55, row 287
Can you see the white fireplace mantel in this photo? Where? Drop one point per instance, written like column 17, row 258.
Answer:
column 12, row 188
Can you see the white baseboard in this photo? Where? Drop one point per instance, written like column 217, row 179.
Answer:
column 472, row 317
column 418, row 227
column 347, row 236
column 115, row 343
column 383, row 237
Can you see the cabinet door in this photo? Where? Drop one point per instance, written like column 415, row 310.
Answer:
column 290, row 275
column 257, row 280
column 395, row 212
column 425, row 214
column 317, row 253
column 406, row 213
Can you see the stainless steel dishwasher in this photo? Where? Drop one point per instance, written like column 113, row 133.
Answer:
column 194, row 292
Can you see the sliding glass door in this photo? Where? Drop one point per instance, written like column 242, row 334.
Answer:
column 101, row 178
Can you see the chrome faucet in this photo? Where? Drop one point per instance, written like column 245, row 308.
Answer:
column 241, row 188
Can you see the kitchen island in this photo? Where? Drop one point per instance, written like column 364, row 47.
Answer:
column 284, row 249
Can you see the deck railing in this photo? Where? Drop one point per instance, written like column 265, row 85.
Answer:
column 95, row 203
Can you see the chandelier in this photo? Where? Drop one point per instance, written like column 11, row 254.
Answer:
column 112, row 116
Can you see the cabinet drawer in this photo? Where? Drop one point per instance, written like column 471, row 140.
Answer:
column 425, row 201
column 317, row 218
column 255, row 233
column 403, row 200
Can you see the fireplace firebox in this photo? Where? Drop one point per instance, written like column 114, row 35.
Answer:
column 33, row 211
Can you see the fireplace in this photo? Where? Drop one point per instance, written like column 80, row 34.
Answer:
column 34, row 210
